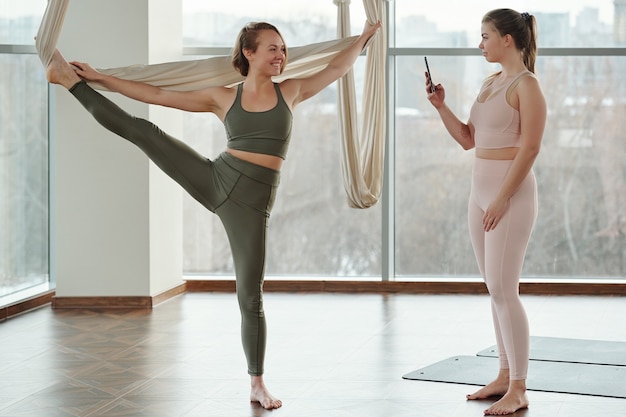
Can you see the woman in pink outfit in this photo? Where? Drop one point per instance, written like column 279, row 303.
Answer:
column 505, row 127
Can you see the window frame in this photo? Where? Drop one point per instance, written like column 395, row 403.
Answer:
column 388, row 272
column 50, row 284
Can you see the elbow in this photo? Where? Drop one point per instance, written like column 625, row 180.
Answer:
column 528, row 153
column 532, row 151
column 467, row 142
column 158, row 97
column 339, row 71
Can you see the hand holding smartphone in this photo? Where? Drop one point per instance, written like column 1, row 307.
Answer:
column 432, row 86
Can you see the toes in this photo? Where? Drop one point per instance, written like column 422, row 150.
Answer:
column 271, row 404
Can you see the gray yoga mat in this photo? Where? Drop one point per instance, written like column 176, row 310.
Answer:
column 554, row 349
column 561, row 377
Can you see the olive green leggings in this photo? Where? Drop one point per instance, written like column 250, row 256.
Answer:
column 240, row 193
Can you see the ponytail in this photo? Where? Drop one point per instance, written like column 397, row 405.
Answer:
column 522, row 27
column 529, row 51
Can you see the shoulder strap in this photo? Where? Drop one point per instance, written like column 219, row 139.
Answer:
column 515, row 82
column 279, row 94
column 238, row 95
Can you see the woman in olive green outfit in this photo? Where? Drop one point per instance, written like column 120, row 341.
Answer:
column 240, row 184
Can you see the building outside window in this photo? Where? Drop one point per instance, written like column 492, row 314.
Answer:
column 24, row 151
column 418, row 230
column 581, row 171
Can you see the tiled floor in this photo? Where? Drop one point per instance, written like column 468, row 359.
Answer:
column 329, row 355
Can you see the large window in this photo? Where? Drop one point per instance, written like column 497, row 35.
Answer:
column 581, row 171
column 23, row 152
column 313, row 232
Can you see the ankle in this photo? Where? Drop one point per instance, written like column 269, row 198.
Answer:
column 503, row 376
column 256, row 381
column 517, row 385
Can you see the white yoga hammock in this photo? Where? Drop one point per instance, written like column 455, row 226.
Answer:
column 362, row 159
column 363, row 155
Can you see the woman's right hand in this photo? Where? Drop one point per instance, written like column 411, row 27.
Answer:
column 437, row 97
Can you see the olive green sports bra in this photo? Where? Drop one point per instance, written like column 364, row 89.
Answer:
column 265, row 132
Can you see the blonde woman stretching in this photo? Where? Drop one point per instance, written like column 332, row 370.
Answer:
column 240, row 184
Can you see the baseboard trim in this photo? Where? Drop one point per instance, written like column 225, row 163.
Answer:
column 117, row 302
column 297, row 286
column 351, row 287
column 26, row 305
column 171, row 293
column 573, row 288
column 413, row 287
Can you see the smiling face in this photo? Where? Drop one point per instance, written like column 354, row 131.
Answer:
column 492, row 43
column 270, row 55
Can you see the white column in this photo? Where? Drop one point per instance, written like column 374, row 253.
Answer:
column 116, row 218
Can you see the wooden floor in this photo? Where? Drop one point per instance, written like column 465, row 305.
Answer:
column 329, row 355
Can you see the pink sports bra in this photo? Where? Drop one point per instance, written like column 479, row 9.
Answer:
column 496, row 123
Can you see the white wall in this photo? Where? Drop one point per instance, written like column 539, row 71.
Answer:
column 116, row 218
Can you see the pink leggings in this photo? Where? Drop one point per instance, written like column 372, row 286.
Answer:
column 500, row 255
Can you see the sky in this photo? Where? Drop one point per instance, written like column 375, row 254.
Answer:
column 467, row 12
column 16, row 8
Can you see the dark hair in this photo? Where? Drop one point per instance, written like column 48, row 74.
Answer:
column 248, row 39
column 523, row 29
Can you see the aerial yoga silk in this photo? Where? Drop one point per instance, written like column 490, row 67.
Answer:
column 363, row 155
column 362, row 159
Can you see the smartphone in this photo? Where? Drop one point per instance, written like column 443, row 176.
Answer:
column 432, row 86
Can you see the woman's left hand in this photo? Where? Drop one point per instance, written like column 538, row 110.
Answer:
column 370, row 30
column 85, row 71
column 494, row 214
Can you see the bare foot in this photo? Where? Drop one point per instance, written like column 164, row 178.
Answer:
column 496, row 388
column 259, row 393
column 510, row 403
column 59, row 71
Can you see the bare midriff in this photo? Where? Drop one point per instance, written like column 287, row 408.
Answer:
column 498, row 154
column 267, row 161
